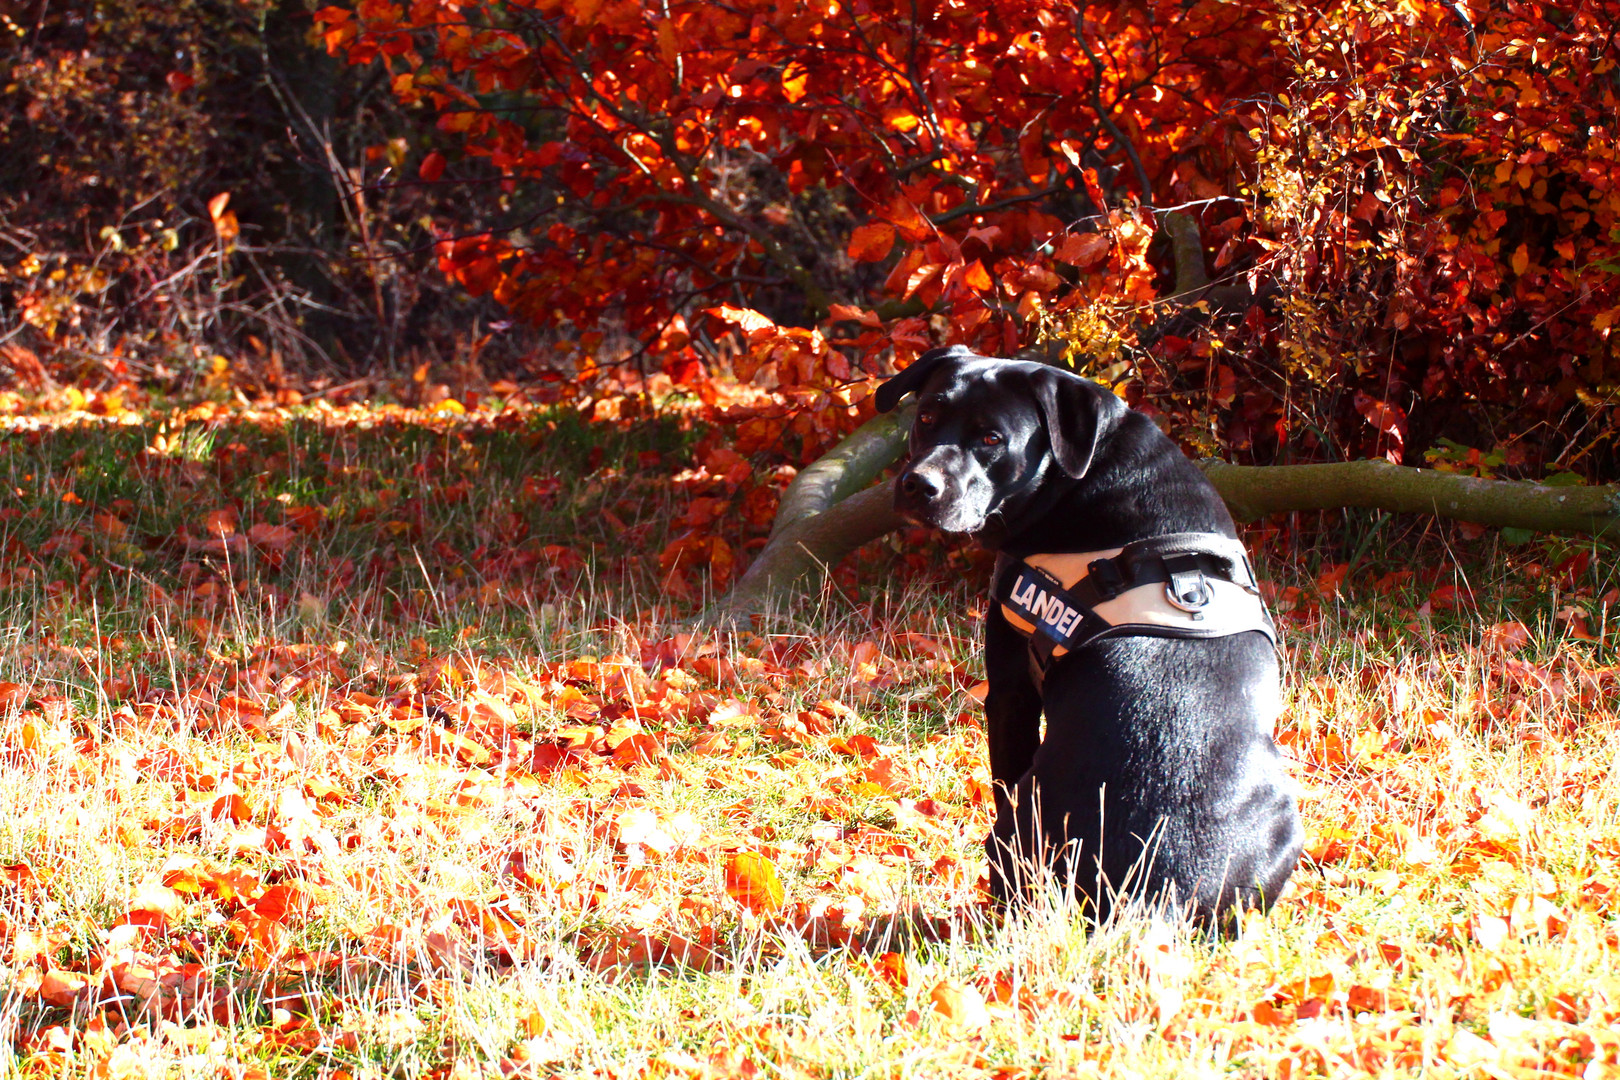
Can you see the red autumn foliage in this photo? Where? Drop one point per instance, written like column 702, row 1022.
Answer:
column 1418, row 199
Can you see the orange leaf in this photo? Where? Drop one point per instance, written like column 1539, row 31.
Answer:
column 220, row 522
column 641, row 748
column 63, row 988
column 908, row 219
column 871, row 243
column 920, row 277
column 231, row 806
column 961, row 1005
column 861, row 315
column 795, row 80
column 20, row 876
column 1267, row 1013
column 159, row 899
column 751, row 880
column 975, row 276
column 280, row 901
column 1521, row 259
column 225, row 223
column 1506, row 636
column 746, row 319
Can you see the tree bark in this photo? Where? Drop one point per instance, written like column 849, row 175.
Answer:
column 846, row 468
column 801, row 555
column 1253, row 491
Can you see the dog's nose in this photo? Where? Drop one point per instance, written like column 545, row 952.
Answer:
column 918, row 486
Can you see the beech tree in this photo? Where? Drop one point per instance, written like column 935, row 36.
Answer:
column 1292, row 233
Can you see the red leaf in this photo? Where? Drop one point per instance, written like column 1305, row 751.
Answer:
column 1388, row 419
column 432, row 166
column 1083, row 249
column 270, row 537
column 872, row 243
column 231, row 806
column 891, row 969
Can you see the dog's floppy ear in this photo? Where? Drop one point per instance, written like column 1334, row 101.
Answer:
column 1075, row 415
column 889, row 394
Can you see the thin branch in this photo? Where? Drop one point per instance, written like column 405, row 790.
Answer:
column 1104, row 115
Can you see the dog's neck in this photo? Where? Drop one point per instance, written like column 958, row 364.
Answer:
column 1109, row 507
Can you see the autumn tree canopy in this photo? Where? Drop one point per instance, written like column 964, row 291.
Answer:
column 1408, row 209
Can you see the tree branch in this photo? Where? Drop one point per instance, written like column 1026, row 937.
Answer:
column 846, row 468
column 1253, row 491
column 1103, row 114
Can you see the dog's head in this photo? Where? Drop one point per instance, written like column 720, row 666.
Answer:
column 989, row 433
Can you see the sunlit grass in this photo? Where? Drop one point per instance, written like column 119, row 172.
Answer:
column 442, row 783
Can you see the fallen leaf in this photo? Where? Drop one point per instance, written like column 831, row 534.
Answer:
column 962, row 1006
column 752, row 881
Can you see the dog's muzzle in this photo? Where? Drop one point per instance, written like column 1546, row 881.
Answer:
column 934, row 496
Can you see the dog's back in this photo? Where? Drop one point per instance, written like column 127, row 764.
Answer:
column 1158, row 778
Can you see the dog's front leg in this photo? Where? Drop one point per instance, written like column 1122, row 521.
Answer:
column 1012, row 712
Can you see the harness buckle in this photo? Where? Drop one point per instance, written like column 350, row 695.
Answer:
column 1186, row 587
column 1105, row 577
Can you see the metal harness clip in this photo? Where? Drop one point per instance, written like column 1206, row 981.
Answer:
column 1187, row 588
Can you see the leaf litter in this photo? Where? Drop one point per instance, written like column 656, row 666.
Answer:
column 314, row 761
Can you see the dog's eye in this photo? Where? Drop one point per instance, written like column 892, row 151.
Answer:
column 926, row 418
column 991, row 438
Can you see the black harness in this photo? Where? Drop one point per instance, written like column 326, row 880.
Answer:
column 1110, row 594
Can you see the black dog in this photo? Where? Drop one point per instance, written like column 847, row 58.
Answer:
column 1152, row 656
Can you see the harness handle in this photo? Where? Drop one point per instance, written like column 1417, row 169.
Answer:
column 1184, row 563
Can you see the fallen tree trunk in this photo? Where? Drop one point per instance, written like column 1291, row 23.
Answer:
column 846, row 468
column 1253, row 491
column 803, row 551
column 799, row 557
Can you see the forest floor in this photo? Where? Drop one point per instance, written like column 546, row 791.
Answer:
column 363, row 741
